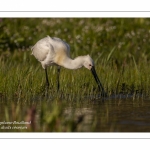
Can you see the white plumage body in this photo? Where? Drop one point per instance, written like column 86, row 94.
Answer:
column 51, row 51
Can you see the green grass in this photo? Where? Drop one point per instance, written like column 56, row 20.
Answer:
column 119, row 47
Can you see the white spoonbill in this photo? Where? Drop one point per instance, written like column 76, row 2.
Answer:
column 54, row 51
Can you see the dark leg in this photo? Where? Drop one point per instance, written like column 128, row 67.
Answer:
column 58, row 73
column 47, row 82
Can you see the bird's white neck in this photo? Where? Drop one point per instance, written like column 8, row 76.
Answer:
column 73, row 63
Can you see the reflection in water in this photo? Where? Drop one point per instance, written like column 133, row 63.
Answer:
column 123, row 115
column 114, row 115
column 86, row 113
column 126, row 116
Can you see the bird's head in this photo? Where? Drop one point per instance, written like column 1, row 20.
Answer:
column 88, row 62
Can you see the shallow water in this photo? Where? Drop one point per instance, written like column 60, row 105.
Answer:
column 115, row 114
column 125, row 116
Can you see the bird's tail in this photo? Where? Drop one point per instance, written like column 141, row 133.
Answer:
column 32, row 50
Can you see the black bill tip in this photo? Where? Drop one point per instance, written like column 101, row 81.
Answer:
column 101, row 89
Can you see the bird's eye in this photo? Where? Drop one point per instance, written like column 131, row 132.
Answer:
column 90, row 65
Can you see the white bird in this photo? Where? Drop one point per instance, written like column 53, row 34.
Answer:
column 54, row 51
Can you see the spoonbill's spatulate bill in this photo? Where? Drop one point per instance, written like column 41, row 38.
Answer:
column 54, row 51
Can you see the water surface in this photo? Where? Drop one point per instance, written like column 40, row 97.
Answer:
column 115, row 114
